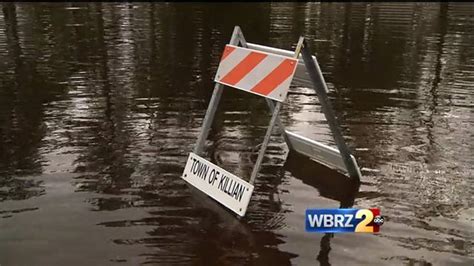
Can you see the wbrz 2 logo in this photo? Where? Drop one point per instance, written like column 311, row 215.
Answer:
column 343, row 220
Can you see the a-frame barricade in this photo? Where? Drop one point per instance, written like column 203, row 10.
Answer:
column 267, row 72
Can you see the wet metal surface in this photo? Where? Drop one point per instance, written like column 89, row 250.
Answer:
column 101, row 103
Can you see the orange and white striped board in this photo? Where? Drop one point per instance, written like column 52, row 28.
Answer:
column 261, row 73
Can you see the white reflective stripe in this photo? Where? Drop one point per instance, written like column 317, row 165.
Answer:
column 230, row 62
column 262, row 68
column 281, row 89
column 259, row 72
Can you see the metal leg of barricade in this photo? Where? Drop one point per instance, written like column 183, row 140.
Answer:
column 270, row 103
column 216, row 96
column 237, row 36
column 266, row 139
column 275, row 119
column 272, row 106
column 320, row 87
column 279, row 124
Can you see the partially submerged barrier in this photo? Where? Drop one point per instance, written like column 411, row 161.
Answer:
column 267, row 72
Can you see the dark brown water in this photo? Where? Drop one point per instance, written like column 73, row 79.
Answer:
column 100, row 104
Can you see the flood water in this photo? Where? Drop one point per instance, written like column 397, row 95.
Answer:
column 101, row 103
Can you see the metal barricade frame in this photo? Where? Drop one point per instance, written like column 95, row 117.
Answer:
column 307, row 73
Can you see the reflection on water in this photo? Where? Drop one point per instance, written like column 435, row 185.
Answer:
column 101, row 102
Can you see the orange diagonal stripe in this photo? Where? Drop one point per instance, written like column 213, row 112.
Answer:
column 243, row 68
column 228, row 49
column 275, row 78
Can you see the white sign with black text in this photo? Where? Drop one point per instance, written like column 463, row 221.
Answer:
column 226, row 188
